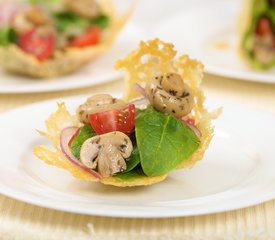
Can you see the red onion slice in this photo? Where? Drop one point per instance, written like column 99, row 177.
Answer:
column 191, row 123
column 140, row 101
column 195, row 130
column 65, row 137
column 9, row 10
column 140, row 89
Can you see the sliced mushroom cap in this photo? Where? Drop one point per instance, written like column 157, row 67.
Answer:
column 89, row 151
column 107, row 153
column 168, row 93
column 98, row 103
column 33, row 18
column 110, row 161
column 84, row 8
column 37, row 16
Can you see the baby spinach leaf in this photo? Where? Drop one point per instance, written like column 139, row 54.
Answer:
column 85, row 132
column 65, row 20
column 102, row 21
column 7, row 36
column 132, row 161
column 163, row 141
column 132, row 175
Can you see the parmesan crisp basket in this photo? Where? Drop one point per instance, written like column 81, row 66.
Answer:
column 152, row 57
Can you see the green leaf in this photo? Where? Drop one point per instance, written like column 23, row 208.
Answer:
column 7, row 36
column 85, row 132
column 259, row 8
column 163, row 142
column 132, row 162
column 65, row 20
column 71, row 22
column 101, row 21
column 132, row 175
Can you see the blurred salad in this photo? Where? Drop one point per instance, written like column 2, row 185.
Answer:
column 258, row 42
column 39, row 29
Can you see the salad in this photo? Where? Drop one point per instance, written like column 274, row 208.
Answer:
column 46, row 40
column 160, row 124
column 258, row 41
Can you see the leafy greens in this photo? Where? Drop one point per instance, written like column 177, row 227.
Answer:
column 163, row 141
column 7, row 36
column 65, row 20
column 85, row 132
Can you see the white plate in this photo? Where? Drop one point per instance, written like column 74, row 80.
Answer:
column 199, row 29
column 237, row 171
column 99, row 71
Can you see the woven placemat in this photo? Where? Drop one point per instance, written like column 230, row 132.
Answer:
column 19, row 220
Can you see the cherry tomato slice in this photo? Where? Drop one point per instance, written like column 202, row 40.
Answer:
column 190, row 121
column 263, row 27
column 91, row 37
column 114, row 120
column 42, row 47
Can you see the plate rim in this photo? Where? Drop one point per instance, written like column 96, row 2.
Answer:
column 25, row 90
column 120, row 213
column 251, row 75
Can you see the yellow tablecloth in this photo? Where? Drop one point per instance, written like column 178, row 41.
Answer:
column 20, row 220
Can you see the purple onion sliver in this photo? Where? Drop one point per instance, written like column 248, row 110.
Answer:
column 140, row 89
column 8, row 11
column 140, row 101
column 195, row 130
column 65, row 137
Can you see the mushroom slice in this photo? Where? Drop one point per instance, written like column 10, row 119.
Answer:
column 85, row 8
column 98, row 103
column 37, row 16
column 89, row 151
column 168, row 93
column 31, row 18
column 107, row 152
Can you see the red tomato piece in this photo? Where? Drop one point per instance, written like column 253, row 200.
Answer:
column 114, row 120
column 263, row 27
column 91, row 37
column 42, row 47
column 190, row 121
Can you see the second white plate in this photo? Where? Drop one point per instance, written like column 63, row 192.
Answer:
column 99, row 71
column 237, row 171
column 209, row 32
